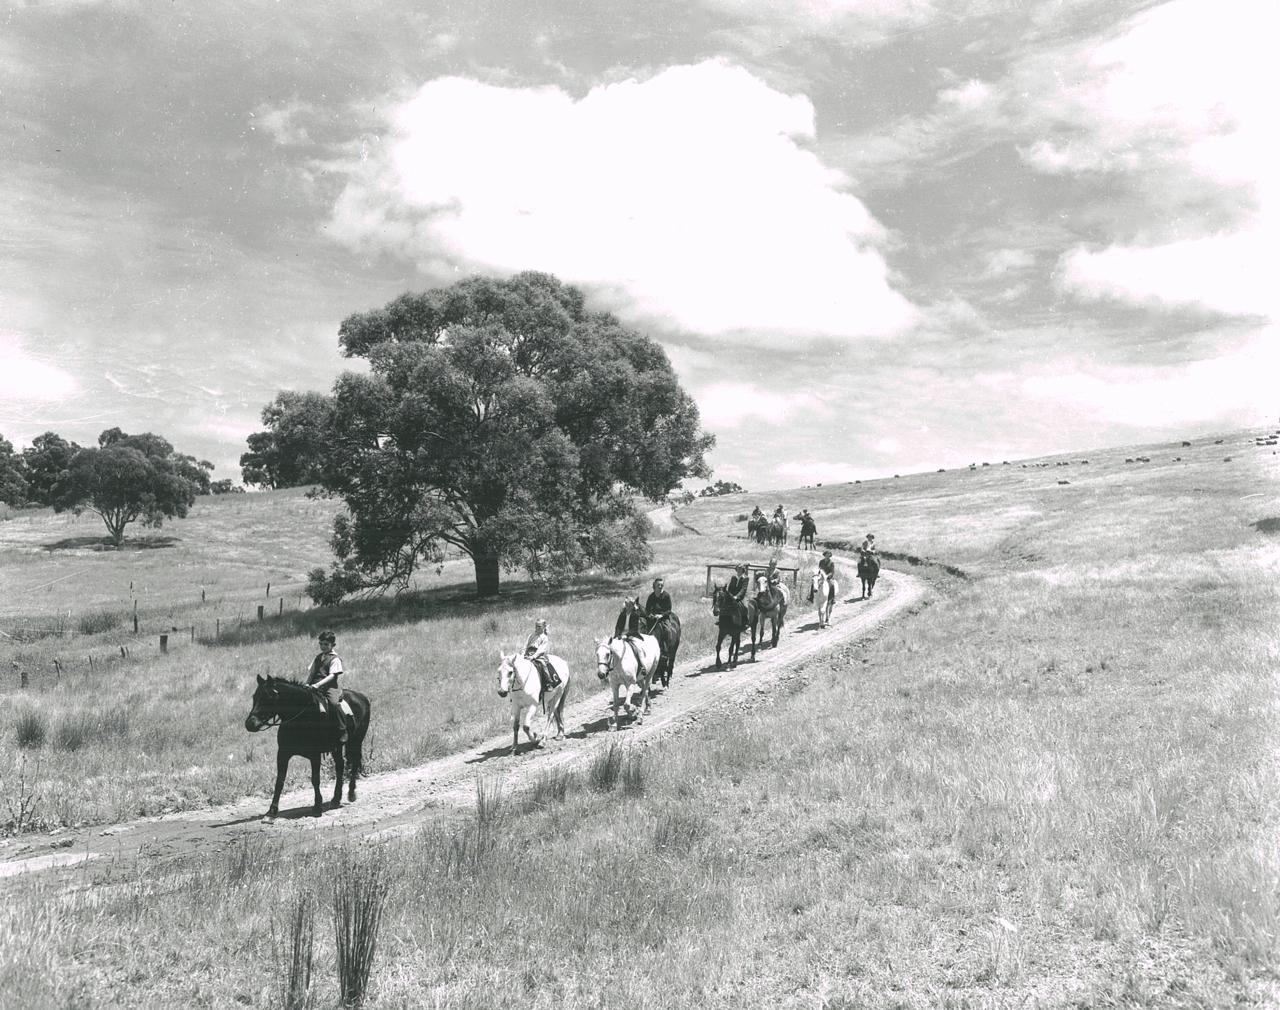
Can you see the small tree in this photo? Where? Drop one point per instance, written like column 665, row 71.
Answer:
column 129, row 477
column 293, row 449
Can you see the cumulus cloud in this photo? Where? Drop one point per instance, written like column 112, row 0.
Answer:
column 689, row 198
column 24, row 376
column 1139, row 104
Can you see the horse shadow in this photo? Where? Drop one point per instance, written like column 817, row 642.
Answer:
column 291, row 814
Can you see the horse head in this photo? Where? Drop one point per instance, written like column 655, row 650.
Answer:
column 604, row 657
column 506, row 668
column 270, row 702
column 717, row 599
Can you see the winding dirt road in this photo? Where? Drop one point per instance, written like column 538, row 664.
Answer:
column 401, row 801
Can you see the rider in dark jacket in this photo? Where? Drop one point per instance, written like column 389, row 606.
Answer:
column 740, row 584
column 658, row 605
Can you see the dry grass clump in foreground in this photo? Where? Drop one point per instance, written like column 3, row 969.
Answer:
column 986, row 806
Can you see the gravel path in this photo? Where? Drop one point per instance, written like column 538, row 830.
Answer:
column 400, row 801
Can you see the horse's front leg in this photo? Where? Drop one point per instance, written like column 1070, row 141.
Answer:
column 515, row 732
column 719, row 639
column 282, row 768
column 528, row 727
column 613, row 720
column 318, row 808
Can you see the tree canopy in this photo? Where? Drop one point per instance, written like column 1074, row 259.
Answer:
column 47, row 460
column 502, row 418
column 130, row 477
column 293, row 449
column 13, row 475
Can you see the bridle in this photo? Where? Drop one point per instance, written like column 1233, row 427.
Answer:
column 603, row 666
column 276, row 719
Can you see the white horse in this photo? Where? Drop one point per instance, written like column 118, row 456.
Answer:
column 824, row 590
column 519, row 680
column 616, row 661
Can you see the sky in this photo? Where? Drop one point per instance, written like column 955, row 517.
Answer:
column 874, row 237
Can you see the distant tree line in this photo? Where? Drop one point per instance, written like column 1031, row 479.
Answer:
column 123, row 479
column 720, row 487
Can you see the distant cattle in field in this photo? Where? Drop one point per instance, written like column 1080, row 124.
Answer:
column 1227, row 460
column 1186, row 445
column 1218, row 442
column 1129, row 459
column 1177, row 459
column 1064, row 482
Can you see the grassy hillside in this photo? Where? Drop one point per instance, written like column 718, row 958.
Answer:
column 1055, row 786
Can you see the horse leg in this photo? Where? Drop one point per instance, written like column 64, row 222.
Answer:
column 515, row 733
column 720, row 633
column 613, row 719
column 528, row 727
column 318, row 809
column 339, row 770
column 355, row 763
column 282, row 768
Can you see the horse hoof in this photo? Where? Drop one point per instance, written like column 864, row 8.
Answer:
column 271, row 814
column 336, row 805
column 317, row 811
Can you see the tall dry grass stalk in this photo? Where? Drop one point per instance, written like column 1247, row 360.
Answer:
column 360, row 892
column 293, row 936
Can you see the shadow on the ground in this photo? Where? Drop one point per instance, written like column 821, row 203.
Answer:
column 1268, row 525
column 106, row 544
column 410, row 608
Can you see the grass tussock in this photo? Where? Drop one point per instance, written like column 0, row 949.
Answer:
column 31, row 729
column 293, row 936
column 617, row 766
column 360, row 890
column 98, row 621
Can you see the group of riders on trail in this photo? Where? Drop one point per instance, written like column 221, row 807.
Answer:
column 319, row 718
column 326, row 668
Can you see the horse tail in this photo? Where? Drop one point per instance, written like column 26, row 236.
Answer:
column 564, row 695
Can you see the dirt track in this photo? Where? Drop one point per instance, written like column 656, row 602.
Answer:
column 400, row 801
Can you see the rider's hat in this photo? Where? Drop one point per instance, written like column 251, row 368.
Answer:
column 826, row 554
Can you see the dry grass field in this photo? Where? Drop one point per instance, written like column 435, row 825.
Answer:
column 1054, row 786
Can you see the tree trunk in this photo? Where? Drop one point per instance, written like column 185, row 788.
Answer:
column 486, row 575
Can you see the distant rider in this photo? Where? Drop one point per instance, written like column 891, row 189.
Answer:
column 538, row 651
column 323, row 676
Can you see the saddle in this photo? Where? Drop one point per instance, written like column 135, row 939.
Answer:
column 344, row 706
column 547, row 676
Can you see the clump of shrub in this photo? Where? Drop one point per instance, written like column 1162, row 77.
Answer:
column 360, row 892
column 99, row 621
column 31, row 729
column 678, row 829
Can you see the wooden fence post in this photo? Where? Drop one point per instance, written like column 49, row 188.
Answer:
column 164, row 643
column 282, row 606
column 260, row 610
column 217, row 628
column 268, row 588
column 202, row 596
column 135, row 612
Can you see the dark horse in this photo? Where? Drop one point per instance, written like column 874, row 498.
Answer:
column 808, row 530
column 733, row 617
column 667, row 632
column 308, row 731
column 868, row 572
